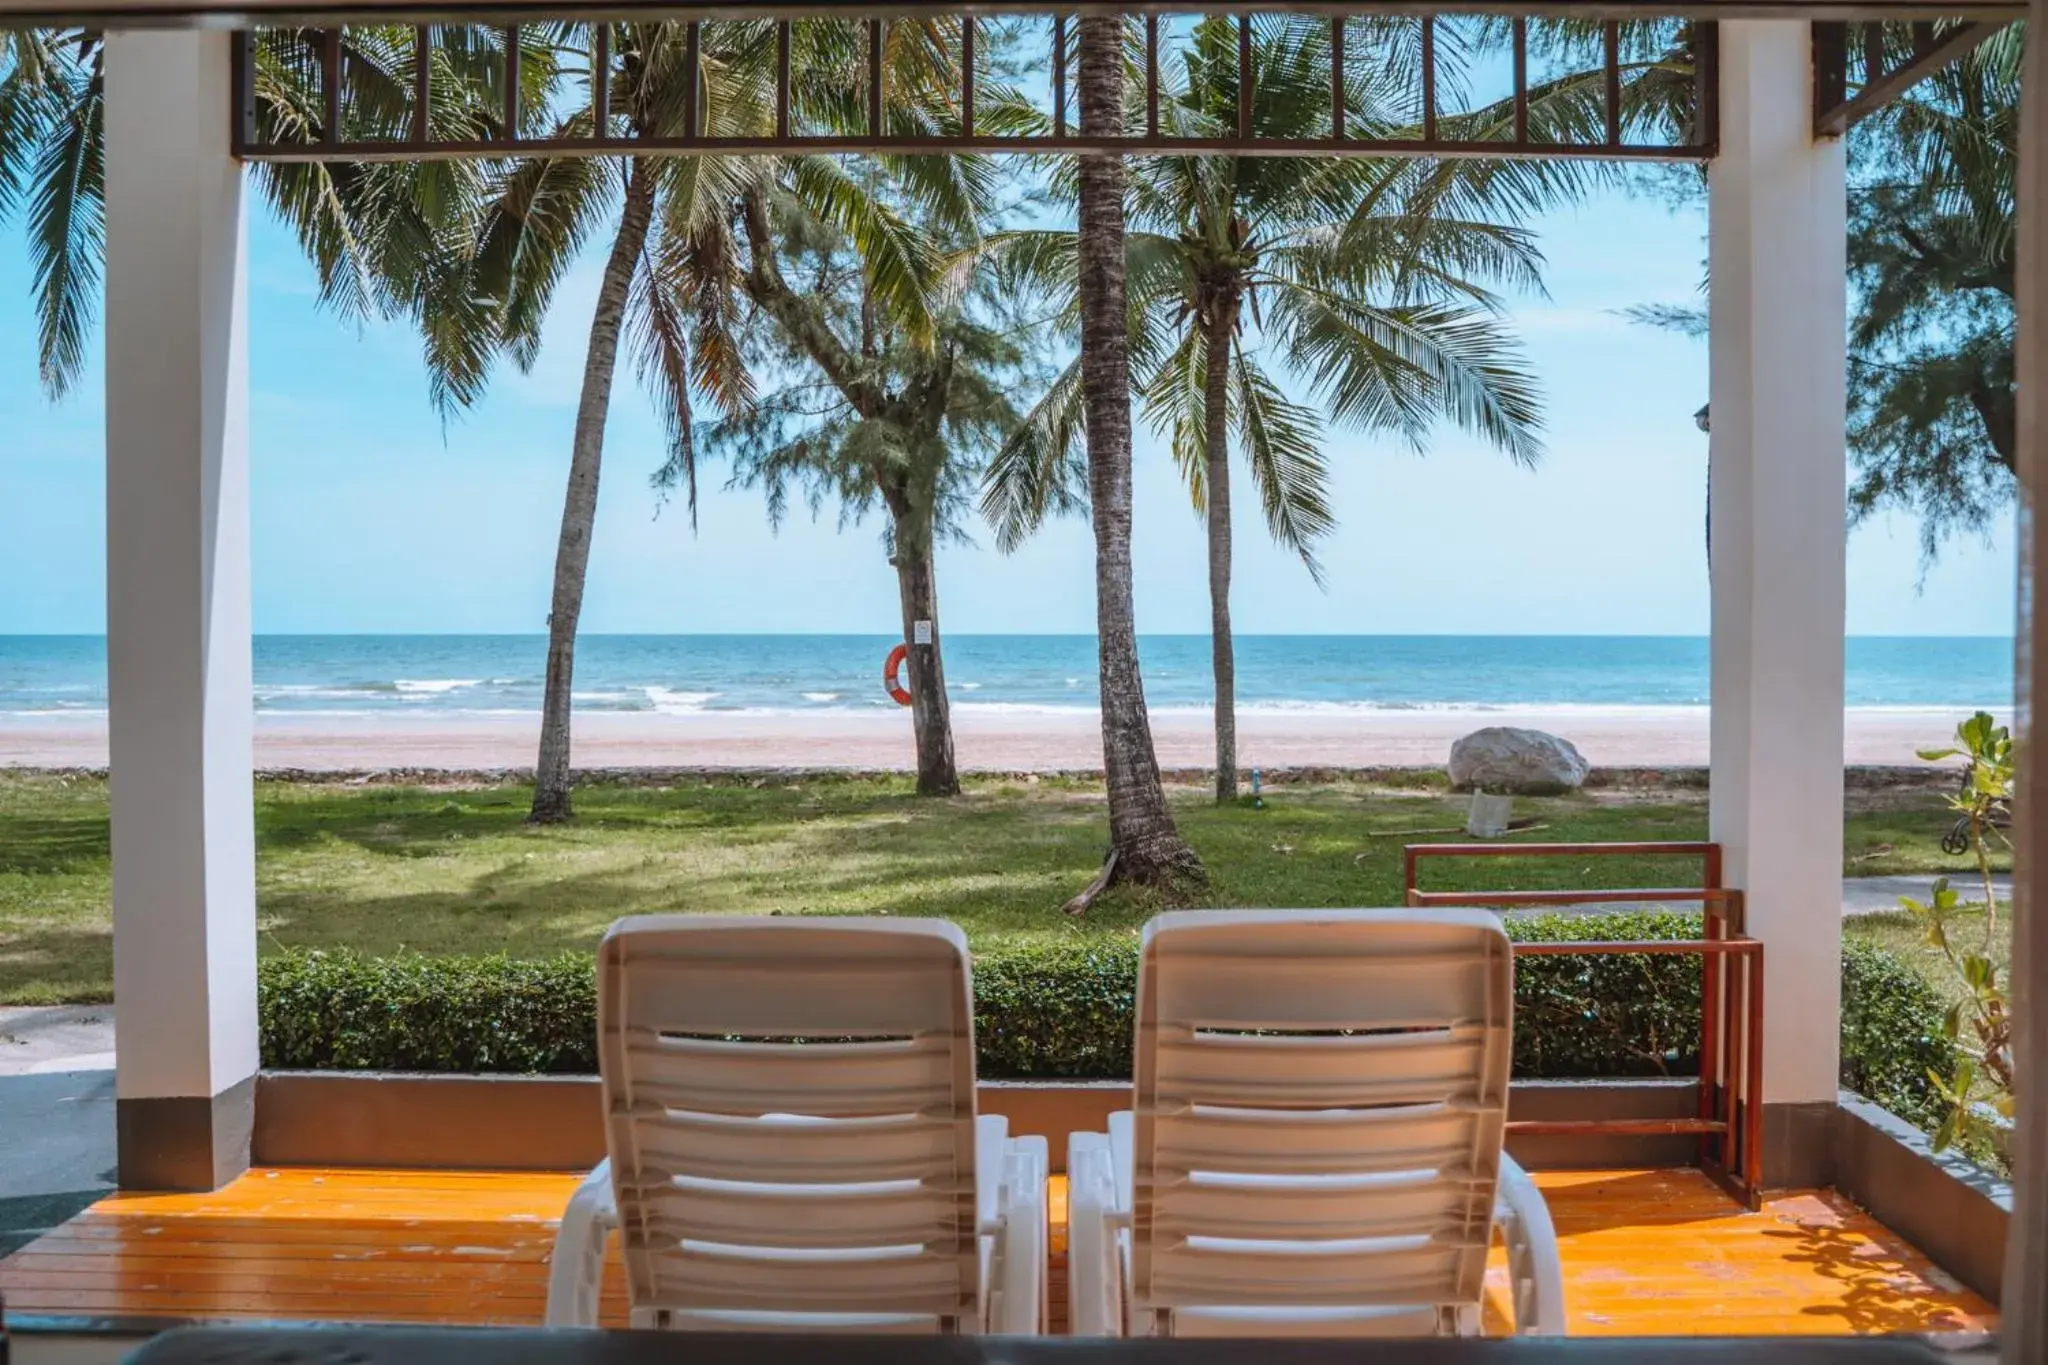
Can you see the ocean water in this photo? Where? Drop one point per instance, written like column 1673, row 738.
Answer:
column 675, row 674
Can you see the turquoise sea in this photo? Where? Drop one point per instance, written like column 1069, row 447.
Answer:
column 501, row 674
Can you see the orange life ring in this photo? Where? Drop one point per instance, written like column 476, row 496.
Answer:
column 897, row 692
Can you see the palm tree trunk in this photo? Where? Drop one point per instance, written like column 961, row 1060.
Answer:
column 1222, row 652
column 1144, row 843
column 930, row 714
column 579, row 507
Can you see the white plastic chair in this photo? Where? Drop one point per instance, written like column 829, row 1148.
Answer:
column 1315, row 1148
column 789, row 1106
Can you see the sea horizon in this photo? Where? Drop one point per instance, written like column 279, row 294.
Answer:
column 480, row 675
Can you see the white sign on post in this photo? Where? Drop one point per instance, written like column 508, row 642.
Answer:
column 921, row 633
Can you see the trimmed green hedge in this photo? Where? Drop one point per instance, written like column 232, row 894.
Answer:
column 1892, row 1037
column 1063, row 1011
column 341, row 1011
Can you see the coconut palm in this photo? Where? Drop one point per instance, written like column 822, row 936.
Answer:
column 1144, row 844
column 672, row 283
column 1372, row 280
column 373, row 232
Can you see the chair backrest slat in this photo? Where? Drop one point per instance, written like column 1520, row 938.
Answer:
column 726, row 1147
column 748, row 1284
column 1316, row 1142
column 1321, row 1097
column 790, row 1109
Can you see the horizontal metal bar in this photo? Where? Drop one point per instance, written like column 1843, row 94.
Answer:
column 399, row 150
column 314, row 13
column 1951, row 47
column 1614, row 1127
column 1601, row 896
column 1655, row 947
column 1673, row 848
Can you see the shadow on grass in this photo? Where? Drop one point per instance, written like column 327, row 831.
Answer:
column 56, row 964
column 40, row 846
column 422, row 822
column 456, row 869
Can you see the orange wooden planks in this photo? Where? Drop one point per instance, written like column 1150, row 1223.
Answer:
column 1645, row 1252
column 1666, row 1253
column 363, row 1246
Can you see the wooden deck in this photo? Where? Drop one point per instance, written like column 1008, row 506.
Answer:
column 1645, row 1253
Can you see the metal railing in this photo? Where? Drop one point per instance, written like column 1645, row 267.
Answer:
column 1503, row 129
column 1729, row 1121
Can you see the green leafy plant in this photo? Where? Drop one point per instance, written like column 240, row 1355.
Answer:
column 1894, row 1039
column 1064, row 1010
column 1059, row 1009
column 1977, row 1088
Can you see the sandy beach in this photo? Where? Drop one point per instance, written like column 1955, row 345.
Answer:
column 987, row 739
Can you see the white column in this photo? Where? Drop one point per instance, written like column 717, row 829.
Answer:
column 178, row 613
column 1777, row 234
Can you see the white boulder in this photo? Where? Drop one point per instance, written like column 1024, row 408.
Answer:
column 1501, row 758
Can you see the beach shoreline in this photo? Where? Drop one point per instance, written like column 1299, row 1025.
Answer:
column 985, row 739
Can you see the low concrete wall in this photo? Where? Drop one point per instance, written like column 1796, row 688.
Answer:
column 555, row 1123
column 1954, row 1211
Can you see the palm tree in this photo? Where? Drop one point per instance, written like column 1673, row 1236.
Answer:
column 880, row 416
column 1374, row 304
column 373, row 232
column 672, row 281
column 530, row 223
column 1144, row 844
column 1371, row 279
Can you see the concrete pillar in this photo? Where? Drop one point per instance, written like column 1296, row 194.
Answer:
column 2023, row 1335
column 178, row 614
column 1779, row 306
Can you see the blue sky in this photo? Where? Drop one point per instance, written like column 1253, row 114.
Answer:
column 369, row 516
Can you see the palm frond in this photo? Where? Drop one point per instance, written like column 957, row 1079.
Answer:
column 1282, row 442
column 67, row 230
column 898, row 259
column 1039, row 472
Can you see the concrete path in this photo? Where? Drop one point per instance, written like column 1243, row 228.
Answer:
column 56, row 1150
column 39, row 1040
column 1864, row 895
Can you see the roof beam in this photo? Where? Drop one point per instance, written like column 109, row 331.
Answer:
column 1837, row 112
column 1483, row 133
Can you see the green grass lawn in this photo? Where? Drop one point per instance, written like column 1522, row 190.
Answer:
column 454, row 870
column 1898, row 932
